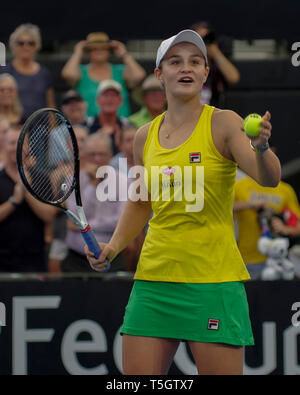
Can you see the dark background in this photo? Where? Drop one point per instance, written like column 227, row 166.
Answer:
column 243, row 19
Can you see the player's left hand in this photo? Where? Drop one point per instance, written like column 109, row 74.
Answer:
column 265, row 132
column 100, row 264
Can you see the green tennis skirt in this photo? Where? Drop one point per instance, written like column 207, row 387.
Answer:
column 216, row 313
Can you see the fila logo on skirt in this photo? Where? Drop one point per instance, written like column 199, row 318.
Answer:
column 213, row 324
column 195, row 157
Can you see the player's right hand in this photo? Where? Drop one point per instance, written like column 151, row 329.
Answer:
column 99, row 264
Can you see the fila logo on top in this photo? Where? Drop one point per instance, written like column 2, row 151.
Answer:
column 195, row 157
column 213, row 324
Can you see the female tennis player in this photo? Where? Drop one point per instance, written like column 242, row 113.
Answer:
column 189, row 282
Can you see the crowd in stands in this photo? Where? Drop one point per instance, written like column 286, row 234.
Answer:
column 39, row 238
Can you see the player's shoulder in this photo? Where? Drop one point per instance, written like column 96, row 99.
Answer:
column 142, row 133
column 220, row 115
column 226, row 123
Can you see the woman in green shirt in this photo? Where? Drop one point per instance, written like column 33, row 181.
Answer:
column 86, row 77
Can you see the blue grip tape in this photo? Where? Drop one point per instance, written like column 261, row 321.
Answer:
column 93, row 245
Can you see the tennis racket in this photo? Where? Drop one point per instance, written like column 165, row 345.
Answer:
column 48, row 163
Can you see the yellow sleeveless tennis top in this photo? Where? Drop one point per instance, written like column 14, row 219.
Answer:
column 190, row 237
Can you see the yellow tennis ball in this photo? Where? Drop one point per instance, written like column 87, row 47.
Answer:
column 252, row 124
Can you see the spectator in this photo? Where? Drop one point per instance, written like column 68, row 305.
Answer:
column 10, row 106
column 4, row 126
column 222, row 71
column 22, row 218
column 58, row 250
column 132, row 251
column 86, row 77
column 126, row 150
column 107, row 121
column 101, row 215
column 250, row 199
column 81, row 133
column 74, row 108
column 34, row 80
column 152, row 98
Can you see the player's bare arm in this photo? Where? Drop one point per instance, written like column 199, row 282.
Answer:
column 136, row 212
column 134, row 215
column 139, row 143
column 234, row 144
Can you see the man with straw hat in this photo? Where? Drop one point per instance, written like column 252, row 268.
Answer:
column 152, row 98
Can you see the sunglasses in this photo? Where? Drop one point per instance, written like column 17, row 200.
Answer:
column 23, row 43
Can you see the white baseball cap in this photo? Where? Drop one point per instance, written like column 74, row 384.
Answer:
column 189, row 36
column 109, row 84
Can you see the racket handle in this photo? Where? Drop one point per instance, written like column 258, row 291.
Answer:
column 93, row 245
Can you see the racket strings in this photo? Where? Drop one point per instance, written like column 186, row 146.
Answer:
column 48, row 157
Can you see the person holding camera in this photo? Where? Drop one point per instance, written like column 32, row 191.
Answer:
column 85, row 78
column 222, row 70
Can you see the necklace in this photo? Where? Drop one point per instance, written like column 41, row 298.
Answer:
column 166, row 136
